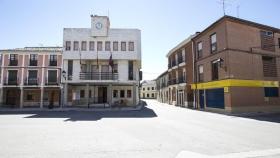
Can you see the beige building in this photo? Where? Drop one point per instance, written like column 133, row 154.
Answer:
column 148, row 90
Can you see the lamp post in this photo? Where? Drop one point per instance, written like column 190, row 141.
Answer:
column 62, row 97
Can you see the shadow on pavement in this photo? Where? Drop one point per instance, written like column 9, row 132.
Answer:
column 269, row 117
column 87, row 115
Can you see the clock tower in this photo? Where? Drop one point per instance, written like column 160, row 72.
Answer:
column 99, row 26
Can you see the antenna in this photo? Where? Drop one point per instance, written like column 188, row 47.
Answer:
column 237, row 10
column 224, row 3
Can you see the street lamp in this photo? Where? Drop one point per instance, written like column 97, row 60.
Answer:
column 62, row 97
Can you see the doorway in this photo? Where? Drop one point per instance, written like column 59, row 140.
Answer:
column 102, row 94
column 201, row 99
column 180, row 98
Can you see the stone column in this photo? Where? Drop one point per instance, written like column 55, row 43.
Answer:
column 87, row 94
column 109, row 94
column 134, row 94
column 21, row 97
column 1, row 96
column 42, row 97
column 65, row 94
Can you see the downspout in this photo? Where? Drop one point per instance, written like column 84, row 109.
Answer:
column 194, row 74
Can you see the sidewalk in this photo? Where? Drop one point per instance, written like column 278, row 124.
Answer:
column 131, row 108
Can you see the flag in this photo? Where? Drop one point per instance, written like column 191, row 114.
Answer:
column 111, row 63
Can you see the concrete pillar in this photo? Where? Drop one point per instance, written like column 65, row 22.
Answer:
column 61, row 97
column 87, row 94
column 109, row 94
column 1, row 96
column 65, row 94
column 134, row 94
column 21, row 97
column 42, row 97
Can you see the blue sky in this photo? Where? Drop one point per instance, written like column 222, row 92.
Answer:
column 164, row 23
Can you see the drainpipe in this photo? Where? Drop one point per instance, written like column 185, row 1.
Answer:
column 194, row 74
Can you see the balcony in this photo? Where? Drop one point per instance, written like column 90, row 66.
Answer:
column 182, row 79
column 33, row 63
column 174, row 63
column 13, row 63
column 11, row 81
column 172, row 81
column 180, row 60
column 51, row 81
column 31, row 81
column 53, row 63
column 99, row 76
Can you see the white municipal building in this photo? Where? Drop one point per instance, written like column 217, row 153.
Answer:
column 101, row 65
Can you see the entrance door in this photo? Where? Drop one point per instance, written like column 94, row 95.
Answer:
column 180, row 98
column 11, row 97
column 102, row 94
column 201, row 99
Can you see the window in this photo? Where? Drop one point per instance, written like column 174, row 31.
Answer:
column 153, row 95
column 123, row 46
column 200, row 73
column 12, row 77
column 99, row 46
column 82, row 93
column 128, row 94
column 213, row 39
column 215, row 70
column 131, row 46
column 122, row 94
column 33, row 60
column 13, row 60
column 29, row 97
column 267, row 41
column 107, row 46
column 70, row 69
column 130, row 70
column 199, row 50
column 143, row 89
column 115, row 93
column 68, row 45
column 271, row 91
column 52, row 76
column 84, row 68
column 76, row 45
column 84, row 45
column 53, row 60
column 148, row 95
column 115, row 46
column 153, row 88
column 267, row 33
column 91, row 45
column 115, row 68
column 269, row 66
column 148, row 88
column 32, row 77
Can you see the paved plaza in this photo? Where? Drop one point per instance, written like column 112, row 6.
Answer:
column 158, row 130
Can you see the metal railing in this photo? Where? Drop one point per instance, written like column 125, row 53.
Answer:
column 33, row 62
column 31, row 81
column 13, row 63
column 98, row 76
column 51, row 81
column 11, row 81
column 182, row 79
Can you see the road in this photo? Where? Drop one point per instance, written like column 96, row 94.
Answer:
column 158, row 130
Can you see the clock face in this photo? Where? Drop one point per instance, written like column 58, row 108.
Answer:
column 98, row 25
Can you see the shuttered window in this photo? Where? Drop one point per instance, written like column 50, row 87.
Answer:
column 269, row 66
column 267, row 41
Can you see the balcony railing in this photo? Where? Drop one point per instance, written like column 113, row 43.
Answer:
column 33, row 62
column 31, row 81
column 180, row 60
column 52, row 81
column 174, row 63
column 53, row 63
column 13, row 63
column 98, row 76
column 172, row 82
column 11, row 81
column 182, row 79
